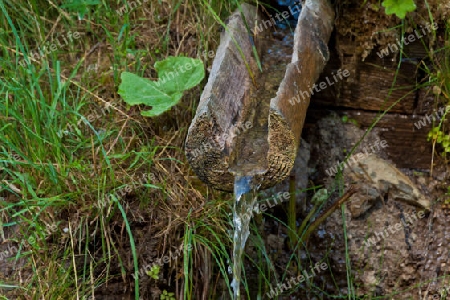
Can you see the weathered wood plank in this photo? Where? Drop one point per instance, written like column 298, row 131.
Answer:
column 223, row 104
column 220, row 140
column 367, row 87
column 408, row 145
column 365, row 92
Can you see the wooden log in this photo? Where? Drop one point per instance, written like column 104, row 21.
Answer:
column 238, row 128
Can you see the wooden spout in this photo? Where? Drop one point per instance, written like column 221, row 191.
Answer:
column 236, row 130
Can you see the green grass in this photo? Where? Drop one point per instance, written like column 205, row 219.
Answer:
column 70, row 153
column 55, row 159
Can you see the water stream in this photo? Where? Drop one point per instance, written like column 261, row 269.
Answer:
column 249, row 157
column 244, row 201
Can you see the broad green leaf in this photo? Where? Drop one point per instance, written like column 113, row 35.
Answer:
column 137, row 90
column 160, row 105
column 176, row 74
column 399, row 7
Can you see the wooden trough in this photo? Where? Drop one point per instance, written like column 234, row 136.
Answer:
column 239, row 128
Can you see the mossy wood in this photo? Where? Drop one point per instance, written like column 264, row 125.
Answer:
column 235, row 130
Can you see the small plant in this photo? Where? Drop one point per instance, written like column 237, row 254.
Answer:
column 167, row 296
column 176, row 75
column 346, row 119
column 319, row 197
column 398, row 7
column 154, row 272
column 80, row 6
column 438, row 136
column 448, row 191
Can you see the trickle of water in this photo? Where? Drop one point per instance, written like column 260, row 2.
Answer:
column 244, row 201
column 249, row 157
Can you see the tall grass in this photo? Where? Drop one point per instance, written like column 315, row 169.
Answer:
column 55, row 158
column 68, row 145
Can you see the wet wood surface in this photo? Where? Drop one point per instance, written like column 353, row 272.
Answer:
column 234, row 130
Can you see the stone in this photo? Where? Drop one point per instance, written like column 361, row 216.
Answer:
column 384, row 179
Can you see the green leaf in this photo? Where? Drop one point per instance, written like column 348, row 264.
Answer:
column 434, row 133
column 399, row 7
column 151, row 186
column 153, row 273
column 320, row 196
column 176, row 74
column 80, row 6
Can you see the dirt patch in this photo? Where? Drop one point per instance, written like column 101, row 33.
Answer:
column 396, row 247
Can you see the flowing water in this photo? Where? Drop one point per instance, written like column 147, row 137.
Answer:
column 244, row 201
column 251, row 147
